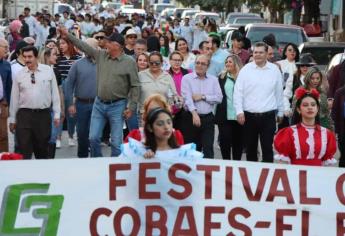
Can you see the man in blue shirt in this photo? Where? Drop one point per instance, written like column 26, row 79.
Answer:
column 6, row 79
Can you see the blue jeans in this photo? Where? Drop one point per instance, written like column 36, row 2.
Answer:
column 133, row 122
column 100, row 113
column 84, row 111
column 55, row 130
column 71, row 120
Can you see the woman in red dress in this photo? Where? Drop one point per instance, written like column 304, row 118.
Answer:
column 306, row 143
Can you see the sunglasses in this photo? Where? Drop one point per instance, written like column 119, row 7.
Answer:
column 99, row 37
column 132, row 36
column 33, row 80
column 155, row 63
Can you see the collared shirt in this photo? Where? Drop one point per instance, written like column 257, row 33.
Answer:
column 259, row 89
column 151, row 85
column 6, row 75
column 81, row 80
column 42, row 94
column 32, row 22
column 209, row 87
column 217, row 62
column 116, row 78
column 244, row 55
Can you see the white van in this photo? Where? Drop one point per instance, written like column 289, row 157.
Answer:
column 159, row 7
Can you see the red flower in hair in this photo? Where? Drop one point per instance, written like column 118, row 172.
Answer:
column 300, row 92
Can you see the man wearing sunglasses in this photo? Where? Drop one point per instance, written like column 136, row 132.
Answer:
column 131, row 38
column 34, row 92
column 100, row 37
column 117, row 85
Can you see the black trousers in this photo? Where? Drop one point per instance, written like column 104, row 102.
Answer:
column 33, row 130
column 231, row 140
column 202, row 136
column 263, row 126
column 341, row 146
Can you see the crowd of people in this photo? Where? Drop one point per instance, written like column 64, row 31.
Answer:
column 169, row 84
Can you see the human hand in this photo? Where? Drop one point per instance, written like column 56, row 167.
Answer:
column 241, row 118
column 127, row 114
column 72, row 110
column 149, row 154
column 279, row 119
column 56, row 122
column 288, row 113
column 197, row 97
column 12, row 127
column 196, row 119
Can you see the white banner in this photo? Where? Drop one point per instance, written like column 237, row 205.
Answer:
column 169, row 196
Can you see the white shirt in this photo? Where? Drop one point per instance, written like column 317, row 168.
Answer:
column 258, row 89
column 16, row 66
column 287, row 67
column 187, row 33
column 188, row 61
column 87, row 28
column 31, row 21
column 39, row 95
column 288, row 93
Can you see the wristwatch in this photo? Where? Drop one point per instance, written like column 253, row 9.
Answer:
column 203, row 97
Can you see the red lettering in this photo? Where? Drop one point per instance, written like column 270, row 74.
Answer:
column 118, row 217
column 280, row 226
column 260, row 186
column 144, row 180
column 303, row 195
column 228, row 183
column 208, row 178
column 94, row 218
column 188, row 212
column 305, row 223
column 113, row 182
column 180, row 181
column 208, row 223
column 340, row 188
column 237, row 225
column 280, row 175
column 160, row 223
column 340, row 223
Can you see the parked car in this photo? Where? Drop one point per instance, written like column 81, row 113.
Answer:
column 336, row 60
column 233, row 15
column 198, row 17
column 166, row 13
column 129, row 11
column 247, row 20
column 178, row 12
column 322, row 52
column 159, row 7
column 284, row 34
column 189, row 13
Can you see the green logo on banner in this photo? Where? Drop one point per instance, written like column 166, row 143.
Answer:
column 14, row 203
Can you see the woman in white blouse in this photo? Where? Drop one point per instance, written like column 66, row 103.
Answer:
column 290, row 55
column 188, row 57
column 155, row 80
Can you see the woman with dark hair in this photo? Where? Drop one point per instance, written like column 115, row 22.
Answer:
column 153, row 44
column 68, row 55
column 306, row 143
column 160, row 138
column 146, row 33
column 164, row 43
column 290, row 55
column 171, row 38
column 181, row 45
column 155, row 80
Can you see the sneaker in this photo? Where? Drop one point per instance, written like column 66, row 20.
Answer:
column 71, row 142
column 58, row 143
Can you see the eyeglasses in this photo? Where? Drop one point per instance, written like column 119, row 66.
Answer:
column 99, row 37
column 201, row 63
column 155, row 63
column 33, row 80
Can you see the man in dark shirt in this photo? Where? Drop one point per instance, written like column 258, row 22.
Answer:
column 6, row 77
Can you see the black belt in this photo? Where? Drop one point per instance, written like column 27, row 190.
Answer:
column 109, row 101
column 35, row 110
column 205, row 115
column 259, row 114
column 85, row 100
